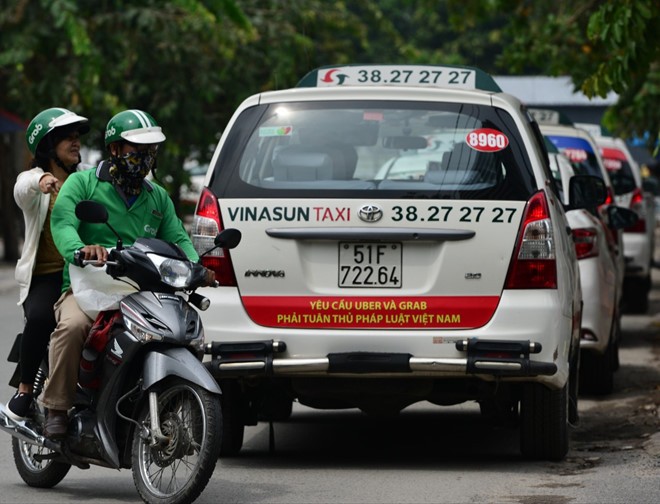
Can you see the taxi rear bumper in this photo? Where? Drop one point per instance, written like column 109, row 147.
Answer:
column 481, row 357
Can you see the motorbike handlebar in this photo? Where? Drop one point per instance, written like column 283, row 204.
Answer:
column 96, row 262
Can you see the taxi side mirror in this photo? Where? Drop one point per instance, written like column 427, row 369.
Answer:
column 651, row 185
column 621, row 218
column 586, row 191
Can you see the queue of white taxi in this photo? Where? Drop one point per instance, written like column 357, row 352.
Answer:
column 614, row 263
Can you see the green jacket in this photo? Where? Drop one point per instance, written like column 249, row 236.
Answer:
column 151, row 215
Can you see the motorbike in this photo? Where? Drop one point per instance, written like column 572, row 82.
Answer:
column 144, row 399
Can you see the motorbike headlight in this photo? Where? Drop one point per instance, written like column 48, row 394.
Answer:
column 175, row 272
column 140, row 332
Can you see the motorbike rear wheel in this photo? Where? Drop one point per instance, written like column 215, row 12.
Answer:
column 38, row 474
column 179, row 470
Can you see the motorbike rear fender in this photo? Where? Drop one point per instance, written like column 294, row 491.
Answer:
column 161, row 363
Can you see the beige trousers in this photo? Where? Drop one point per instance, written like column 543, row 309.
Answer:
column 66, row 345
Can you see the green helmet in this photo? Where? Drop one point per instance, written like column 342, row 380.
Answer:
column 47, row 120
column 133, row 126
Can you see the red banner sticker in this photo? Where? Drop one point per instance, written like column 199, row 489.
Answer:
column 610, row 153
column 363, row 312
column 487, row 140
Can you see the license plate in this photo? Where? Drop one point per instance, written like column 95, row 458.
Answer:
column 370, row 264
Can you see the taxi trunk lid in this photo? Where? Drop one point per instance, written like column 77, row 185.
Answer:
column 376, row 264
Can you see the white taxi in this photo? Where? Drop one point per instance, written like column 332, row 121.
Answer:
column 638, row 239
column 599, row 262
column 581, row 149
column 354, row 289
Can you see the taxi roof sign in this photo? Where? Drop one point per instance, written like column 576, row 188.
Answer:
column 549, row 116
column 440, row 76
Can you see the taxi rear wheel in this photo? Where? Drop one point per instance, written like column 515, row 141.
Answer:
column 597, row 371
column 544, row 422
column 233, row 425
column 636, row 294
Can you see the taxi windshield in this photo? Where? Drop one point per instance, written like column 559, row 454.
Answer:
column 400, row 149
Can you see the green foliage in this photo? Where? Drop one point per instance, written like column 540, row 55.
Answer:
column 604, row 45
column 187, row 62
column 97, row 58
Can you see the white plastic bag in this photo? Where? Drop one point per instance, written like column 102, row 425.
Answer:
column 96, row 291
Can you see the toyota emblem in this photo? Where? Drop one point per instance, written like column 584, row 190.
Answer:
column 370, row 213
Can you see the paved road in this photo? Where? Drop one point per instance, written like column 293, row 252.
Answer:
column 427, row 454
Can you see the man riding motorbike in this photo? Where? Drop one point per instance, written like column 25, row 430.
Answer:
column 139, row 207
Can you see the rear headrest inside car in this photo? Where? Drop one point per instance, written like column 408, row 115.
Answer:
column 344, row 160
column 299, row 163
column 461, row 157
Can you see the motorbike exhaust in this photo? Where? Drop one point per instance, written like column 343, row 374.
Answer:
column 23, row 431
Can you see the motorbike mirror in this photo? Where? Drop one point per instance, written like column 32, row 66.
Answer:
column 91, row 211
column 95, row 213
column 228, row 238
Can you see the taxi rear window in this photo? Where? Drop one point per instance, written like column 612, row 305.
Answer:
column 619, row 169
column 383, row 149
column 579, row 152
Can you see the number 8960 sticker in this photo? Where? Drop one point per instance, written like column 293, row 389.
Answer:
column 487, row 140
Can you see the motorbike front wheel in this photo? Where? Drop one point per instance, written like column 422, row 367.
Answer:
column 177, row 470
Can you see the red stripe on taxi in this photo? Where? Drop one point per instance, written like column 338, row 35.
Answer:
column 364, row 312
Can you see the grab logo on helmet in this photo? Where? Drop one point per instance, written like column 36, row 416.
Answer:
column 35, row 133
column 110, row 132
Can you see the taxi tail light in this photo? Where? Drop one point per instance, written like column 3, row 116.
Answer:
column 637, row 205
column 609, row 200
column 534, row 263
column 586, row 242
column 612, row 235
column 207, row 223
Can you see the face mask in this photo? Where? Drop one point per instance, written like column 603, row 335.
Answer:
column 128, row 171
